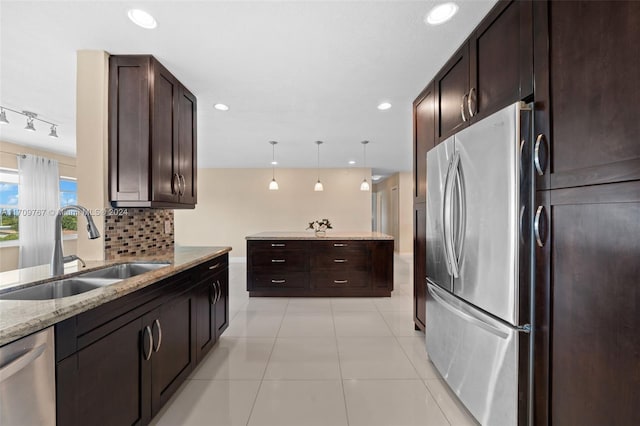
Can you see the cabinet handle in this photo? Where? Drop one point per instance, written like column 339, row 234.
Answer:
column 340, row 260
column 340, row 281
column 219, row 287
column 212, row 297
column 217, row 265
column 277, row 260
column 462, row 107
column 471, row 98
column 184, row 184
column 147, row 332
column 173, row 183
column 340, row 245
column 278, row 245
column 540, row 154
column 540, row 226
column 278, row 281
column 156, row 323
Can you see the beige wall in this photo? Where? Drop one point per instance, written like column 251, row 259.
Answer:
column 8, row 159
column 234, row 203
column 395, row 210
column 92, row 143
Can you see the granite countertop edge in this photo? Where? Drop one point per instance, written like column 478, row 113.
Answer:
column 19, row 318
column 309, row 235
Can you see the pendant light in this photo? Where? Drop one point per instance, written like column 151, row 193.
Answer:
column 364, row 186
column 273, row 185
column 318, row 186
column 3, row 116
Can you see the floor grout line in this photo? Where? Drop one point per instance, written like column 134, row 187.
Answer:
column 275, row 340
column 335, row 336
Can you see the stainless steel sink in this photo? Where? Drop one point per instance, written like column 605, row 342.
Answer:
column 124, row 270
column 57, row 289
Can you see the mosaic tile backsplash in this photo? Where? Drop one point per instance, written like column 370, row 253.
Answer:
column 140, row 231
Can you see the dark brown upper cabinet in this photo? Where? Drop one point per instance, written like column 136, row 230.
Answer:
column 491, row 70
column 423, row 139
column 586, row 77
column 152, row 135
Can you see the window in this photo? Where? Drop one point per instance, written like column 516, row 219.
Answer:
column 9, row 213
column 8, row 205
column 69, row 196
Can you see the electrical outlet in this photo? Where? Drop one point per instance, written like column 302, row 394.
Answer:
column 167, row 226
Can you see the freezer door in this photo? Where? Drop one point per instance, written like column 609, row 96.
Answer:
column 486, row 218
column 438, row 162
column 476, row 355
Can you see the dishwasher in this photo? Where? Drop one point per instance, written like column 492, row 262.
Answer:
column 27, row 381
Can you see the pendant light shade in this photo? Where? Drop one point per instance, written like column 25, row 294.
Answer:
column 273, row 185
column 3, row 116
column 30, row 127
column 53, row 133
column 364, row 186
column 318, row 186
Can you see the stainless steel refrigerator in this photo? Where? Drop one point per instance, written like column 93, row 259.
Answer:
column 479, row 265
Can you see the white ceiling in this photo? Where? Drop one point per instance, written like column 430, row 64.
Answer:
column 290, row 71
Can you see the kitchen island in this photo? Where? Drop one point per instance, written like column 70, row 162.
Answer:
column 290, row 264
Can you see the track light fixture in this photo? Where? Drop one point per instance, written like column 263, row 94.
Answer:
column 31, row 117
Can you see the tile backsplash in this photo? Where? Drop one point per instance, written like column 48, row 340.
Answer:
column 139, row 232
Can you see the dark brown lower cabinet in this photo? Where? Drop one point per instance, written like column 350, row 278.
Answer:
column 119, row 363
column 589, row 307
column 319, row 267
column 420, row 266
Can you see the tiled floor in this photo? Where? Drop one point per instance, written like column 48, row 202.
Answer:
column 325, row 362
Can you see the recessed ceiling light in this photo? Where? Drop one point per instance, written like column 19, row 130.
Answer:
column 352, row 162
column 384, row 106
column 221, row 107
column 376, row 177
column 274, row 163
column 142, row 19
column 441, row 13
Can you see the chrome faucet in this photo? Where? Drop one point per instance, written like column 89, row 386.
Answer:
column 58, row 258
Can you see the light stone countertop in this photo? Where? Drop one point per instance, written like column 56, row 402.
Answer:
column 309, row 235
column 19, row 318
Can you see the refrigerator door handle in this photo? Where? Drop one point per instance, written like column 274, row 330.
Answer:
column 461, row 216
column 444, row 212
column 466, row 315
column 448, row 215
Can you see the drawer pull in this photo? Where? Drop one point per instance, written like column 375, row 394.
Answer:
column 214, row 266
column 340, row 260
column 277, row 260
column 340, row 245
column 340, row 281
column 278, row 281
column 278, row 245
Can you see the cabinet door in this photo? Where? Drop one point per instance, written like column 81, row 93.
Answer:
column 164, row 135
column 423, row 140
column 420, row 265
column 501, row 59
column 173, row 347
column 187, row 143
column 590, row 270
column 129, row 128
column 382, row 264
column 203, row 296
column 222, row 302
column 587, row 67
column 452, row 86
column 106, row 382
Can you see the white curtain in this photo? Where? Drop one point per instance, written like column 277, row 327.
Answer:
column 38, row 201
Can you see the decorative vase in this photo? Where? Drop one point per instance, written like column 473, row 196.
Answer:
column 321, row 233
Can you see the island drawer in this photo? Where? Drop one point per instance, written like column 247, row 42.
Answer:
column 352, row 260
column 346, row 279
column 277, row 245
column 279, row 260
column 339, row 246
column 275, row 280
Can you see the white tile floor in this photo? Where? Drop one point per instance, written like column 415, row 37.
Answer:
column 325, row 362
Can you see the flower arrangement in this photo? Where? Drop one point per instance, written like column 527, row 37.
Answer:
column 320, row 225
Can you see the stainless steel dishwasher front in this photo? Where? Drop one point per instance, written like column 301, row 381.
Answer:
column 27, row 381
